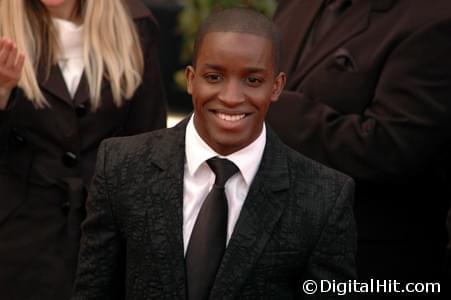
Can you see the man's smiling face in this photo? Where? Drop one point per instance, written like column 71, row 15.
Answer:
column 232, row 85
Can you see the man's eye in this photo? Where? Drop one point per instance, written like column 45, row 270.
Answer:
column 253, row 81
column 212, row 77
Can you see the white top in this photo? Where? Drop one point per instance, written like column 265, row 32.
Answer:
column 199, row 178
column 70, row 60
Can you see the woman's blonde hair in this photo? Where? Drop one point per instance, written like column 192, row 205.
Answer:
column 111, row 47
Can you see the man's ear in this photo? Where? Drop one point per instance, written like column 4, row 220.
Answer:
column 279, row 84
column 189, row 74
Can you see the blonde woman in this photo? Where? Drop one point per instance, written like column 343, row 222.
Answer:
column 72, row 72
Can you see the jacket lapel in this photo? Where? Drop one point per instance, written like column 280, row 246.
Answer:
column 354, row 21
column 82, row 93
column 54, row 83
column 165, row 218
column 295, row 30
column 260, row 213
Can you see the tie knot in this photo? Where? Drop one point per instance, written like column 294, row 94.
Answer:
column 223, row 169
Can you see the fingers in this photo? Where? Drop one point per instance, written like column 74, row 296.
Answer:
column 5, row 48
column 11, row 59
column 9, row 55
column 11, row 63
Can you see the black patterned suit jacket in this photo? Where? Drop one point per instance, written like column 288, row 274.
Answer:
column 296, row 224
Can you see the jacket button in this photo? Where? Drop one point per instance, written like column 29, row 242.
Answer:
column 17, row 139
column 65, row 205
column 70, row 159
column 81, row 110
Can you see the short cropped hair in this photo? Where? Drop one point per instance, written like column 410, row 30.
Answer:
column 239, row 20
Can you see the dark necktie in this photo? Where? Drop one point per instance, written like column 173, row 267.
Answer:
column 208, row 238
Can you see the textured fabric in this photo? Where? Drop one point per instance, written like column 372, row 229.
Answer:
column 208, row 239
column 296, row 224
column 372, row 99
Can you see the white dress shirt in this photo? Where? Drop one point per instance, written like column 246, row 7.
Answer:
column 198, row 178
column 70, row 59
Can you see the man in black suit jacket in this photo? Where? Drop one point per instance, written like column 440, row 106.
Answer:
column 371, row 97
column 295, row 222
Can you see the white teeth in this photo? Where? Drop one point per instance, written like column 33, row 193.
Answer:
column 230, row 118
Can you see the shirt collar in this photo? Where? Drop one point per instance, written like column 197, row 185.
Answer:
column 248, row 159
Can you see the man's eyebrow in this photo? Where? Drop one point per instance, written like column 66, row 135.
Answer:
column 256, row 70
column 212, row 66
column 221, row 68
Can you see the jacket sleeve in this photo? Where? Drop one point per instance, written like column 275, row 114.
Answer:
column 333, row 258
column 11, row 101
column 5, row 123
column 148, row 106
column 406, row 124
column 101, row 263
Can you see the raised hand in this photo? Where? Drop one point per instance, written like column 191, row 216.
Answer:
column 11, row 63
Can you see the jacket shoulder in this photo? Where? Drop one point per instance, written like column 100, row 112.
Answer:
column 136, row 147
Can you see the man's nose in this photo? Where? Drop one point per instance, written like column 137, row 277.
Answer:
column 232, row 93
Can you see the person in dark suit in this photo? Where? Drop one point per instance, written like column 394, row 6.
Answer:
column 66, row 83
column 368, row 93
column 152, row 230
